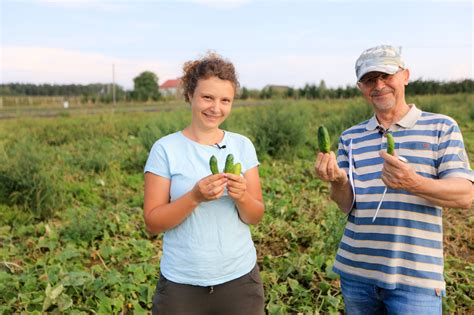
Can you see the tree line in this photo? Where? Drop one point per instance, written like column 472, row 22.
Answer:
column 321, row 91
column 146, row 87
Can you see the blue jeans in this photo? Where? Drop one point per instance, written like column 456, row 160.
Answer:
column 367, row 299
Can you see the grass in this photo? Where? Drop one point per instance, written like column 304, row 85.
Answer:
column 71, row 229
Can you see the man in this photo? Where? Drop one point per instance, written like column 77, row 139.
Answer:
column 392, row 262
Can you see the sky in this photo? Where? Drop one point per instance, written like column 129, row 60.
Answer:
column 270, row 42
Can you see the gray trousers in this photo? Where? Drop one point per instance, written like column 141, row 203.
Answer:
column 242, row 296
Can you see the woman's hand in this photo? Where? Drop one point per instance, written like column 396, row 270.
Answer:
column 236, row 186
column 209, row 188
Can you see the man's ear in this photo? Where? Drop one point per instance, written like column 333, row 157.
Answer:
column 406, row 77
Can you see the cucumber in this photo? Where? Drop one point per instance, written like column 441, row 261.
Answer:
column 229, row 164
column 323, row 140
column 213, row 165
column 390, row 144
column 237, row 169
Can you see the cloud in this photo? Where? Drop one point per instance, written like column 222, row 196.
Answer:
column 121, row 4
column 221, row 4
column 36, row 64
column 297, row 70
column 103, row 5
column 338, row 70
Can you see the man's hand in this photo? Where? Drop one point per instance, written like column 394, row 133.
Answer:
column 397, row 174
column 327, row 169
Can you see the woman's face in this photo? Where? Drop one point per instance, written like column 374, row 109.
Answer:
column 211, row 102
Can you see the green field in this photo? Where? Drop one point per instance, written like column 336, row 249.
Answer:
column 72, row 235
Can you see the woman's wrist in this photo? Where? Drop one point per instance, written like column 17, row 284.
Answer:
column 194, row 197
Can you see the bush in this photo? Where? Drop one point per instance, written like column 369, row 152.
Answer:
column 353, row 114
column 95, row 155
column 163, row 126
column 278, row 130
column 84, row 225
column 28, row 179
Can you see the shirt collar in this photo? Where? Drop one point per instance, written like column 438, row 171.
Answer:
column 408, row 121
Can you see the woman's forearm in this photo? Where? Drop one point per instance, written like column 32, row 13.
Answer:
column 169, row 215
column 250, row 209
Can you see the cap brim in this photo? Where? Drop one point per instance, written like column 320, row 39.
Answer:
column 390, row 69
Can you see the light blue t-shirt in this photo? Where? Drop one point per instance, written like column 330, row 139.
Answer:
column 212, row 245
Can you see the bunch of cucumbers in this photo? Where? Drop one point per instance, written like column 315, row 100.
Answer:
column 230, row 167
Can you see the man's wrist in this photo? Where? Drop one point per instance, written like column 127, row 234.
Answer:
column 341, row 180
column 418, row 184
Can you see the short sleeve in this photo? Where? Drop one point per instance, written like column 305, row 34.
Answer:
column 249, row 159
column 342, row 156
column 158, row 162
column 452, row 158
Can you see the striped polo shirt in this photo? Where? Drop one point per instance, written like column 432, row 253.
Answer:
column 403, row 247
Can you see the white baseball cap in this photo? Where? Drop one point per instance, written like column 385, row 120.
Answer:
column 383, row 58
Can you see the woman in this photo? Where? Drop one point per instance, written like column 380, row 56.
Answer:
column 209, row 259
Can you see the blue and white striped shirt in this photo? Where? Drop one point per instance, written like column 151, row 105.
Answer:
column 403, row 247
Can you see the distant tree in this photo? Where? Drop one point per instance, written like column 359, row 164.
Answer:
column 266, row 92
column 290, row 93
column 146, row 86
column 254, row 93
column 244, row 94
column 312, row 91
column 322, row 89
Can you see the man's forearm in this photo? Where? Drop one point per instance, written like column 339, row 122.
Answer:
column 341, row 193
column 449, row 192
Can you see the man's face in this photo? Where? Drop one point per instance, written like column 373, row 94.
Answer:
column 383, row 90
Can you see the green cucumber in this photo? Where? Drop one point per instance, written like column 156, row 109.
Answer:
column 390, row 144
column 237, row 169
column 229, row 164
column 213, row 165
column 323, row 140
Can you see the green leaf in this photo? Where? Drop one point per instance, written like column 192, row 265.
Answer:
column 54, row 293
column 138, row 309
column 274, row 309
column 329, row 273
column 332, row 300
column 64, row 302
column 77, row 278
column 294, row 285
column 324, row 286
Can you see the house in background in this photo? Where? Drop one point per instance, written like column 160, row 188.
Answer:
column 171, row 88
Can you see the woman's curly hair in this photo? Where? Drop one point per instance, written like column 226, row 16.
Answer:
column 211, row 65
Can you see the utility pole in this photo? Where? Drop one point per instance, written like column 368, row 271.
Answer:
column 113, row 83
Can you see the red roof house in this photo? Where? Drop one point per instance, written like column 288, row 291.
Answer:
column 171, row 87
